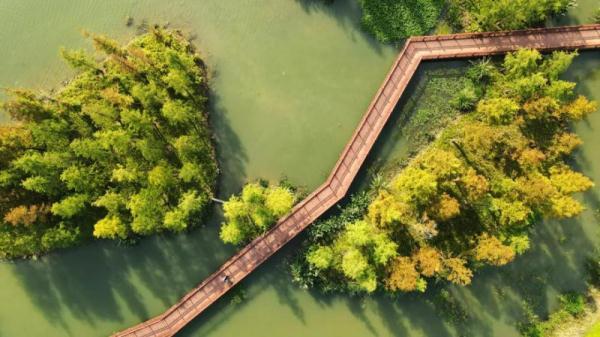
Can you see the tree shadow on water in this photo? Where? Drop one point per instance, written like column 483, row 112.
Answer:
column 356, row 307
column 62, row 285
column 231, row 155
column 486, row 308
column 555, row 264
column 347, row 14
column 102, row 282
column 219, row 312
column 496, row 297
column 274, row 274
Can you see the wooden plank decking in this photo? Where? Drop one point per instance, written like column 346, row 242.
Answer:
column 337, row 184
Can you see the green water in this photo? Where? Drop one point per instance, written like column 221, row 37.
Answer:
column 291, row 80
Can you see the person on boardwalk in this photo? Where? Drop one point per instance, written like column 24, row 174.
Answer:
column 226, row 279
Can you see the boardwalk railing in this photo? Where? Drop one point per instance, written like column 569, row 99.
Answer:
column 354, row 154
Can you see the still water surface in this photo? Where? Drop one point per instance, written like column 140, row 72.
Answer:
column 291, row 80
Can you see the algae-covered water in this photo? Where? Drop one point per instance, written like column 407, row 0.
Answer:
column 290, row 80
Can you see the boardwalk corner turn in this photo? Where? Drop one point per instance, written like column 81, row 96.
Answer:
column 354, row 154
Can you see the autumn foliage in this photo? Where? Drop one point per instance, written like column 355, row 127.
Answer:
column 470, row 198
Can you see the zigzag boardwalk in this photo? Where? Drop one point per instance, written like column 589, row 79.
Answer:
column 335, row 187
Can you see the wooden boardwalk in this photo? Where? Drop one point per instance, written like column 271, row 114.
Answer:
column 337, row 184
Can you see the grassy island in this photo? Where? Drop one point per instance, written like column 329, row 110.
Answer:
column 123, row 150
column 470, row 198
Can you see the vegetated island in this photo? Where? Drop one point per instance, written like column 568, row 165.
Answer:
column 123, row 150
column 470, row 198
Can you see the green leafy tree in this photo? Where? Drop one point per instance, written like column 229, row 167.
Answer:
column 70, row 206
column 491, row 15
column 498, row 110
column 254, row 211
column 122, row 150
column 110, row 227
column 469, row 198
column 321, row 258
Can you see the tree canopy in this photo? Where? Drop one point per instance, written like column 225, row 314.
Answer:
column 254, row 211
column 124, row 149
column 394, row 20
column 494, row 15
column 470, row 197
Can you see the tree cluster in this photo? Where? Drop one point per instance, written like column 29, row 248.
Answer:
column 494, row 15
column 394, row 20
column 470, row 198
column 122, row 150
column 254, row 211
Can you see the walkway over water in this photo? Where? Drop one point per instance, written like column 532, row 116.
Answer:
column 337, row 184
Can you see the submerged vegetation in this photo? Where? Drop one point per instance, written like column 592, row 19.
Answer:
column 123, row 150
column 323, row 232
column 427, row 112
column 393, row 20
column 470, row 198
column 254, row 211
